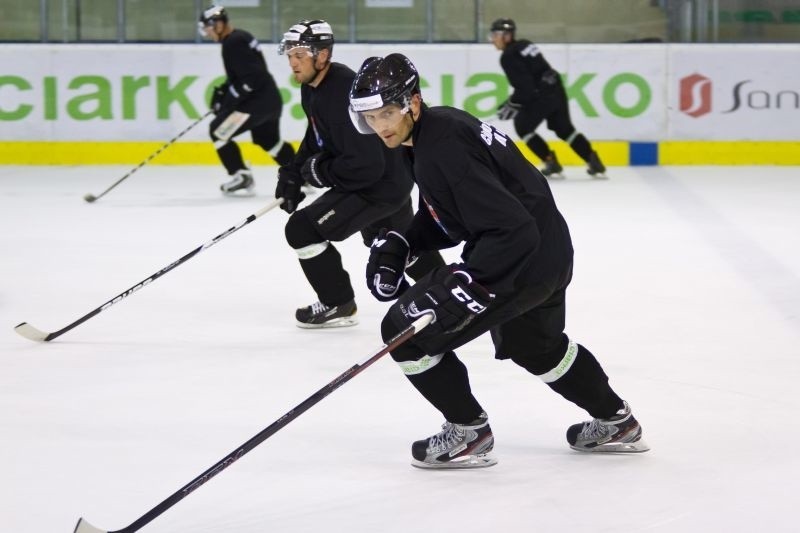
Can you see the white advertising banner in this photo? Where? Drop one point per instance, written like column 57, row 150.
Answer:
column 627, row 92
column 735, row 92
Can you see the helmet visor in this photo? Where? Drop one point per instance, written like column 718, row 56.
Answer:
column 370, row 115
column 294, row 49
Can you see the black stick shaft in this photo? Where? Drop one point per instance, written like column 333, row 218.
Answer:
column 154, row 154
column 276, row 426
column 121, row 296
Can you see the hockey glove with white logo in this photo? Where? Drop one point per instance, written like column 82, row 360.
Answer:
column 386, row 267
column 217, row 97
column 315, row 169
column 288, row 188
column 508, row 110
column 454, row 299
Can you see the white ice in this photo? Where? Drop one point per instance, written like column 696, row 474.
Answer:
column 687, row 288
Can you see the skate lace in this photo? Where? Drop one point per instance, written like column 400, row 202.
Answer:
column 594, row 429
column 450, row 435
column 318, row 307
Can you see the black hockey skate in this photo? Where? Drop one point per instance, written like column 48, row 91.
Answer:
column 596, row 168
column 620, row 433
column 552, row 168
column 456, row 446
column 240, row 184
column 319, row 315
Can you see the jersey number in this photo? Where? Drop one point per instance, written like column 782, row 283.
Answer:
column 531, row 50
column 488, row 133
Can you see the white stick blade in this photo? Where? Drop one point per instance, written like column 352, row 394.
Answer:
column 30, row 332
column 85, row 527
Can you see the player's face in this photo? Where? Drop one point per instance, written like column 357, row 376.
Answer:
column 301, row 61
column 498, row 39
column 214, row 30
column 392, row 123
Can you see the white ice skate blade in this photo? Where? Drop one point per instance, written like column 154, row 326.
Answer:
column 468, row 461
column 335, row 323
column 555, row 176
column 599, row 176
column 240, row 193
column 638, row 446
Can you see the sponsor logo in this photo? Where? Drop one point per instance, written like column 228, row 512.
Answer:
column 695, row 95
column 760, row 99
column 696, row 100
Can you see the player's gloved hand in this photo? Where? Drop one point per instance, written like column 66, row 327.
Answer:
column 454, row 299
column 217, row 97
column 386, row 267
column 289, row 183
column 508, row 110
column 315, row 170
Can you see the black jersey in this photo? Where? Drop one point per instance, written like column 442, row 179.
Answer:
column 361, row 163
column 246, row 69
column 478, row 188
column 528, row 72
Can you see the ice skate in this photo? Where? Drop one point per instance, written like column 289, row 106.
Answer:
column 319, row 315
column 620, row 433
column 240, row 184
column 552, row 169
column 596, row 168
column 456, row 446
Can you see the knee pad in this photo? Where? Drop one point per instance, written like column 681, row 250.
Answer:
column 269, row 142
column 566, row 135
column 300, row 232
column 563, row 365
column 411, row 358
column 539, row 360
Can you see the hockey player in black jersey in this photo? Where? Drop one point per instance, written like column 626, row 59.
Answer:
column 366, row 185
column 538, row 95
column 478, row 189
column 248, row 100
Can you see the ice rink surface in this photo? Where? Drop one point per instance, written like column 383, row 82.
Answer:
column 687, row 288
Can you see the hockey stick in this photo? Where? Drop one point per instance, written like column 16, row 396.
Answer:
column 34, row 334
column 85, row 527
column 91, row 198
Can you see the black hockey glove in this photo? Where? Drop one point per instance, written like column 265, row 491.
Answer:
column 508, row 110
column 453, row 298
column 218, row 97
column 315, row 170
column 386, row 267
column 288, row 188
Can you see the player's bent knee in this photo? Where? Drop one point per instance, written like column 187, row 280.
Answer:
column 539, row 360
column 300, row 232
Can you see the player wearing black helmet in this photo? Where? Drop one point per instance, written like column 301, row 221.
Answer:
column 248, row 100
column 366, row 185
column 538, row 95
column 478, row 189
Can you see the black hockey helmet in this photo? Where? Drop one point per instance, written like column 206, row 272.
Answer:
column 313, row 34
column 214, row 13
column 506, row 25
column 379, row 82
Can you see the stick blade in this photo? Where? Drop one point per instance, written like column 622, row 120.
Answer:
column 31, row 333
column 85, row 527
